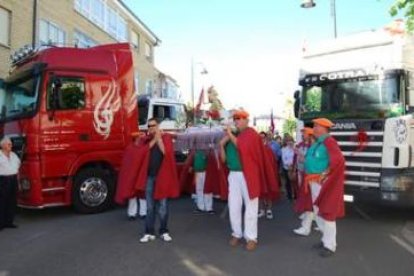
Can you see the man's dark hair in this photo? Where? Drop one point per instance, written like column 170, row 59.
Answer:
column 153, row 119
column 262, row 132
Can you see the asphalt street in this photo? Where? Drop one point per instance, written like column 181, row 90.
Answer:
column 372, row 240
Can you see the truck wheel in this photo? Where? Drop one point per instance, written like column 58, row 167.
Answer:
column 93, row 191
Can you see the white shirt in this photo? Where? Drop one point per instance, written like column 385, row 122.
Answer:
column 287, row 157
column 9, row 165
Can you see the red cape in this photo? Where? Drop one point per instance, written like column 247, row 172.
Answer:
column 271, row 170
column 331, row 198
column 166, row 182
column 255, row 168
column 303, row 201
column 132, row 159
column 214, row 173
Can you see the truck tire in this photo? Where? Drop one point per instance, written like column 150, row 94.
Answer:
column 93, row 191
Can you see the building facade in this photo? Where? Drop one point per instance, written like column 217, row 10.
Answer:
column 81, row 23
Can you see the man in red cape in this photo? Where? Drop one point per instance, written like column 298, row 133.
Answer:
column 272, row 167
column 249, row 178
column 154, row 173
column 213, row 183
column 303, row 201
column 324, row 177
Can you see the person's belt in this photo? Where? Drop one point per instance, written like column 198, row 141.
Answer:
column 311, row 178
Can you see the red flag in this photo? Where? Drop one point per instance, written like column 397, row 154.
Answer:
column 200, row 101
column 272, row 123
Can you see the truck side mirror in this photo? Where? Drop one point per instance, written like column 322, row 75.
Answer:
column 54, row 96
column 296, row 104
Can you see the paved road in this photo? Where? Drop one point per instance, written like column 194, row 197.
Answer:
column 372, row 241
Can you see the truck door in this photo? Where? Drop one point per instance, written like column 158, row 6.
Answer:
column 65, row 124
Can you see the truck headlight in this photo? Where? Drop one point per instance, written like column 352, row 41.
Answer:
column 397, row 183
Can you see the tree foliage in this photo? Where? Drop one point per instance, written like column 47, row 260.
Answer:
column 289, row 126
column 407, row 7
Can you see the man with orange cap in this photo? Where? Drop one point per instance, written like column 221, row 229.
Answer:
column 324, row 177
column 249, row 177
column 300, row 150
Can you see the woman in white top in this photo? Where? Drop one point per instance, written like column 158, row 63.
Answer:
column 9, row 167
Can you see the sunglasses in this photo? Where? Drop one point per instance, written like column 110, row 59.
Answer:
column 236, row 118
column 152, row 125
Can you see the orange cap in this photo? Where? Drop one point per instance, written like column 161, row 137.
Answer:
column 323, row 122
column 307, row 130
column 240, row 114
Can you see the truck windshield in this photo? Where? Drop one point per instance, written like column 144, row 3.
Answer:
column 364, row 98
column 18, row 98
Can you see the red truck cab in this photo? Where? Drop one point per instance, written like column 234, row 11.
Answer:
column 70, row 113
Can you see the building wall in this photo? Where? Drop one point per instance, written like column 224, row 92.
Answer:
column 21, row 29
column 62, row 13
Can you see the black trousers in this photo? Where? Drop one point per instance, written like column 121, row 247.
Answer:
column 288, row 184
column 8, row 199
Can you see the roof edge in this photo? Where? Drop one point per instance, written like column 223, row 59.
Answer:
column 138, row 21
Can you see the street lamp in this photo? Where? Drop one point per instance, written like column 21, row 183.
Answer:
column 310, row 4
column 202, row 72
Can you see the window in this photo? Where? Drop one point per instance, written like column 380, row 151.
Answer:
column 136, row 82
column 166, row 112
column 111, row 25
column 71, row 94
column 135, row 39
column 4, row 27
column 50, row 33
column 82, row 40
column 148, row 51
column 98, row 12
column 149, row 87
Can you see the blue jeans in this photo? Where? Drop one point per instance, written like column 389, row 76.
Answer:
column 151, row 208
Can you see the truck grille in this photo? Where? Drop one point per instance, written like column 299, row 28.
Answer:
column 362, row 159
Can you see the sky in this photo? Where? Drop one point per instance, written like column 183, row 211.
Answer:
column 251, row 49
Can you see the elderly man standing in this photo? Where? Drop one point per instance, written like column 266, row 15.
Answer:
column 9, row 167
column 325, row 174
column 243, row 153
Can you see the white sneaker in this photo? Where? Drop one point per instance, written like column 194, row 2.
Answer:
column 147, row 238
column 261, row 213
column 166, row 237
column 301, row 231
column 269, row 214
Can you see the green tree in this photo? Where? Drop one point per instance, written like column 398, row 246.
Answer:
column 407, row 7
column 313, row 99
column 289, row 126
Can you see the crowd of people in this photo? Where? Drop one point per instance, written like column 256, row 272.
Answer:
column 247, row 169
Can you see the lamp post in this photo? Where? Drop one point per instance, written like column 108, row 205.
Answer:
column 307, row 4
column 202, row 72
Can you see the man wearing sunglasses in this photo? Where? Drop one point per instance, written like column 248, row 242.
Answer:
column 250, row 177
column 156, row 176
